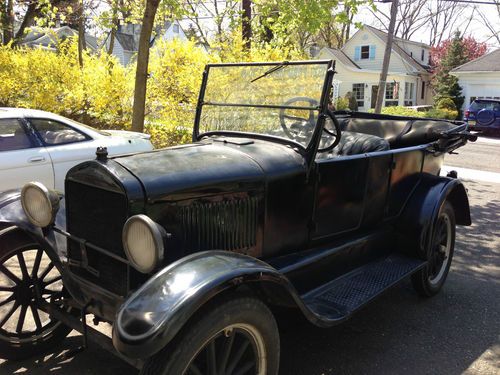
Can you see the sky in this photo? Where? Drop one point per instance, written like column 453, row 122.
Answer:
column 476, row 27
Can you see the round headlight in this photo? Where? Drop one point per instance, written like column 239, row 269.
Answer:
column 143, row 243
column 39, row 204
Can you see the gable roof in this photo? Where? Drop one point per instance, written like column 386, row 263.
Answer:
column 47, row 38
column 486, row 63
column 400, row 51
column 127, row 41
column 342, row 57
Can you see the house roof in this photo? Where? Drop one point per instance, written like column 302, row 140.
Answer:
column 127, row 41
column 38, row 37
column 342, row 57
column 486, row 63
column 400, row 51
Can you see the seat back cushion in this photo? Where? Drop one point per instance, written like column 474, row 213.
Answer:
column 357, row 143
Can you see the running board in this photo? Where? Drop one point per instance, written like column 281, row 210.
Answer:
column 337, row 300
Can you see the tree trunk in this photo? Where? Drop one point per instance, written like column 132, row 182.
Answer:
column 82, row 44
column 387, row 58
column 246, row 25
column 114, row 27
column 8, row 20
column 141, row 74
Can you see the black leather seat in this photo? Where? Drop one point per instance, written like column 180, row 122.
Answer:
column 352, row 143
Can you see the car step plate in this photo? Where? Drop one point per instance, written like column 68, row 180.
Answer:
column 338, row 299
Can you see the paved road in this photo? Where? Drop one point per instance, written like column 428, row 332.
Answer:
column 456, row 332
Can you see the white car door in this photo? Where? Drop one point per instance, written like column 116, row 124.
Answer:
column 22, row 159
column 66, row 145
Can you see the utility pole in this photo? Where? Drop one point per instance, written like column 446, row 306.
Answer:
column 246, row 26
column 387, row 56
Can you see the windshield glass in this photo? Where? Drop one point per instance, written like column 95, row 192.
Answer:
column 277, row 100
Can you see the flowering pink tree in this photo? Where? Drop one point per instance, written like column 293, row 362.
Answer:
column 472, row 49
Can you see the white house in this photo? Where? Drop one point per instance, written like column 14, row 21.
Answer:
column 480, row 78
column 126, row 42
column 359, row 63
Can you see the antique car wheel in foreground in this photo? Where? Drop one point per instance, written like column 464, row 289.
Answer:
column 25, row 271
column 429, row 280
column 239, row 336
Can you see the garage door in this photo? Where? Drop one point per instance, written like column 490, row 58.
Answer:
column 484, row 92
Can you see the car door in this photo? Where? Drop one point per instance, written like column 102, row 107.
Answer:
column 66, row 145
column 22, row 157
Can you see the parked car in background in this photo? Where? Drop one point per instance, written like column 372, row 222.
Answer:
column 484, row 115
column 41, row 146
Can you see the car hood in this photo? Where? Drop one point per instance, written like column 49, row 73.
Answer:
column 211, row 166
column 128, row 134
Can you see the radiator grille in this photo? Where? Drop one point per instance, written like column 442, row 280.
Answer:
column 97, row 216
column 226, row 225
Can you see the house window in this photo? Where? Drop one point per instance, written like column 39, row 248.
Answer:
column 422, row 94
column 409, row 87
column 358, row 90
column 423, row 55
column 365, row 52
column 392, row 94
column 176, row 29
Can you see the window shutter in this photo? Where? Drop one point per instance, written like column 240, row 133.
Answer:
column 357, row 53
column 372, row 52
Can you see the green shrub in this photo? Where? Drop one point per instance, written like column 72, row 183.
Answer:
column 401, row 111
column 441, row 113
column 353, row 103
column 341, row 104
column 446, row 103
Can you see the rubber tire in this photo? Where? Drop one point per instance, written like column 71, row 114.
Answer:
column 420, row 279
column 10, row 351
column 174, row 358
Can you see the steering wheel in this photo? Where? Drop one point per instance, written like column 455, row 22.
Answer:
column 301, row 126
column 337, row 133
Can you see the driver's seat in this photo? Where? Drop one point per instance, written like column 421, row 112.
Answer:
column 352, row 143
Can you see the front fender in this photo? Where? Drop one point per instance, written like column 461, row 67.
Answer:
column 12, row 214
column 416, row 223
column 154, row 314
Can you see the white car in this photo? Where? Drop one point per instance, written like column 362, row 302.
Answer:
column 41, row 146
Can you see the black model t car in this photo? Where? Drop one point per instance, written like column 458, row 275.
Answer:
column 277, row 205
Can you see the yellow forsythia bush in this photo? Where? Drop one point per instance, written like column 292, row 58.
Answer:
column 100, row 93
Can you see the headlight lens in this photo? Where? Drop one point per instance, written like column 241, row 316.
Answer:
column 39, row 204
column 143, row 243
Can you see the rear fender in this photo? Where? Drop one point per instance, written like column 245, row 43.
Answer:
column 416, row 223
column 154, row 314
column 12, row 215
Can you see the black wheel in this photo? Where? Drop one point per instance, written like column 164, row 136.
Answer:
column 429, row 280
column 26, row 274
column 239, row 336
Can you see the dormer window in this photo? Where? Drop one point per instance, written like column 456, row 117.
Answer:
column 365, row 52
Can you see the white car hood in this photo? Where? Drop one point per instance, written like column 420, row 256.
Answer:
column 128, row 134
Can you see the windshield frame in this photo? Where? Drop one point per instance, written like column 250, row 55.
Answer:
column 321, row 108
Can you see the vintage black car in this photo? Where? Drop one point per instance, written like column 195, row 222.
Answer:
column 192, row 252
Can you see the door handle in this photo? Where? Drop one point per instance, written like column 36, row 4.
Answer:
column 36, row 159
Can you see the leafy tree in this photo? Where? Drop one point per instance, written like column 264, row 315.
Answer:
column 444, row 83
column 300, row 21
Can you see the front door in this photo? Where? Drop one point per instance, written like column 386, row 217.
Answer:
column 374, row 96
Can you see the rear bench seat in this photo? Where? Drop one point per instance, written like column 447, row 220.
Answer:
column 399, row 133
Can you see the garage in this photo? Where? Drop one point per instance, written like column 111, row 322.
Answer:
column 480, row 78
